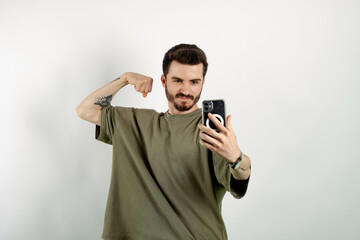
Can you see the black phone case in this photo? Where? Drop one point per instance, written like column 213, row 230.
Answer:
column 217, row 109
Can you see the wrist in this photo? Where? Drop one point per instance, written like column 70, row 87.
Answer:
column 122, row 80
column 235, row 158
column 236, row 164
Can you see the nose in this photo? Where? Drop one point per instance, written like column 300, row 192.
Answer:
column 185, row 88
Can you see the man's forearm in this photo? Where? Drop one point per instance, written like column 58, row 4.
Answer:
column 244, row 170
column 89, row 109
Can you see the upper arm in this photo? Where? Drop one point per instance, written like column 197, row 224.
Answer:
column 90, row 115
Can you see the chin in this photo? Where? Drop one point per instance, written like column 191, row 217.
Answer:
column 183, row 107
column 186, row 105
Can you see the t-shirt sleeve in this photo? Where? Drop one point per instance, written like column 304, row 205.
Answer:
column 105, row 131
column 224, row 177
column 120, row 121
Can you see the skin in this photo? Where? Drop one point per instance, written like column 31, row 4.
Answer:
column 183, row 85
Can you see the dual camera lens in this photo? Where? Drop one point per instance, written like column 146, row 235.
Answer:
column 208, row 106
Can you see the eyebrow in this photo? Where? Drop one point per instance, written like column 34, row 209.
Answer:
column 177, row 78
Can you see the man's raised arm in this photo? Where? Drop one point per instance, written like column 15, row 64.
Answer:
column 90, row 108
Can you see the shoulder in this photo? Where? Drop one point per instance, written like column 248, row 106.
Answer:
column 138, row 113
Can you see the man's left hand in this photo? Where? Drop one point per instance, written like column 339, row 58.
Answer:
column 223, row 142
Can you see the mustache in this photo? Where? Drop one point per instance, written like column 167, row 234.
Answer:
column 183, row 95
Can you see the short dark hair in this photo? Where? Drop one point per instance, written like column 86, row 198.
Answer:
column 184, row 54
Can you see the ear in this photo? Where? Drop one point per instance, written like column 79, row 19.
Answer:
column 163, row 80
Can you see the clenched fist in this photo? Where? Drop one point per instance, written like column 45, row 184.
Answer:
column 141, row 83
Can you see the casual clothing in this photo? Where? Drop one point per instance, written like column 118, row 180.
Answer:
column 164, row 184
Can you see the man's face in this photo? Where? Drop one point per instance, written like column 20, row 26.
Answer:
column 183, row 85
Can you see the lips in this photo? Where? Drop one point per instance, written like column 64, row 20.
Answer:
column 184, row 97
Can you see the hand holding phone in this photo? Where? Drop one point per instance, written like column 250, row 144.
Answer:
column 223, row 141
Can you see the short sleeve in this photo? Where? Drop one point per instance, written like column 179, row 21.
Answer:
column 105, row 131
column 237, row 188
column 222, row 171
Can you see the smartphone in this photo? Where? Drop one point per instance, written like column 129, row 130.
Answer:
column 215, row 107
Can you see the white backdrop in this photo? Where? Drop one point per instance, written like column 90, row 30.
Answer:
column 288, row 70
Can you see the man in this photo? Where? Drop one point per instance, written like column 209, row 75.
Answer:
column 170, row 172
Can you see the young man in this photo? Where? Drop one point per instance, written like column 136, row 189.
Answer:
column 170, row 172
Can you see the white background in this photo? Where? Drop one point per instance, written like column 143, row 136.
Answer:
column 288, row 70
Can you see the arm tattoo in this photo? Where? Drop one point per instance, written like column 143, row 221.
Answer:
column 104, row 101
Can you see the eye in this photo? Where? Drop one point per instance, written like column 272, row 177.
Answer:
column 194, row 81
column 178, row 80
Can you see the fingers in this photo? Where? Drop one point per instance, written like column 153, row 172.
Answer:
column 224, row 142
column 147, row 87
column 209, row 140
column 142, row 89
column 207, row 145
column 217, row 123
column 228, row 123
column 143, row 84
column 209, row 131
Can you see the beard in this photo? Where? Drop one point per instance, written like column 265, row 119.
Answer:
column 182, row 107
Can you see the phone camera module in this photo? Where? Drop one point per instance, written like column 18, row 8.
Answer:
column 208, row 106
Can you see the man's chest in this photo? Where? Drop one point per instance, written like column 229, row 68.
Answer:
column 177, row 155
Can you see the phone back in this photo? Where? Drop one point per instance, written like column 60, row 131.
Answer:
column 215, row 107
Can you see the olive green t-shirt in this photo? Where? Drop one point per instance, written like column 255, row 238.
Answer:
column 164, row 184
